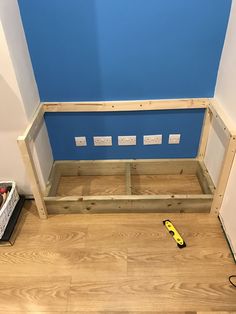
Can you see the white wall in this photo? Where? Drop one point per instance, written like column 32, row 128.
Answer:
column 19, row 99
column 217, row 141
column 19, row 54
column 12, row 119
column 226, row 96
column 226, row 83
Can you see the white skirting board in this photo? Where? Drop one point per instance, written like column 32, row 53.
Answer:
column 232, row 248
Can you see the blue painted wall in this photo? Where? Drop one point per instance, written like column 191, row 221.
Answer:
column 125, row 49
column 87, row 50
column 63, row 127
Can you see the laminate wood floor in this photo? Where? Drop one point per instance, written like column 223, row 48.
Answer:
column 141, row 185
column 116, row 263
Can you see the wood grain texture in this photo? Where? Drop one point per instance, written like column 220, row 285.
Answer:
column 125, row 186
column 130, row 204
column 135, row 105
column 205, row 134
column 91, row 185
column 136, row 312
column 136, row 293
column 118, row 166
column 151, row 235
column 165, row 184
column 122, row 312
column 34, row 262
column 27, row 156
column 116, row 185
column 40, row 293
column 116, row 264
column 45, row 236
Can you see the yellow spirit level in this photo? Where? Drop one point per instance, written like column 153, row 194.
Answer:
column 175, row 234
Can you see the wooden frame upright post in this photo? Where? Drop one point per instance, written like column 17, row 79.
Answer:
column 224, row 174
column 24, row 146
column 205, row 133
column 32, row 174
column 229, row 154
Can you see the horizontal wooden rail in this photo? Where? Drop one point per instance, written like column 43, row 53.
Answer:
column 138, row 105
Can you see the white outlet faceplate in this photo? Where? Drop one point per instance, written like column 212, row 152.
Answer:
column 152, row 139
column 126, row 140
column 80, row 141
column 102, row 140
column 174, row 138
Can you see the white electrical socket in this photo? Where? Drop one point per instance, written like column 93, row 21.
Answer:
column 102, row 140
column 80, row 141
column 127, row 140
column 152, row 139
column 174, row 138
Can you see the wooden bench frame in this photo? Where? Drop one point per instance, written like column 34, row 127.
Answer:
column 47, row 204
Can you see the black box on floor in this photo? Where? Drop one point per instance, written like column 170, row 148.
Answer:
column 10, row 233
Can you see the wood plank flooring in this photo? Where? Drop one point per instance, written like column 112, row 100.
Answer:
column 141, row 185
column 91, row 185
column 116, row 263
column 165, row 184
